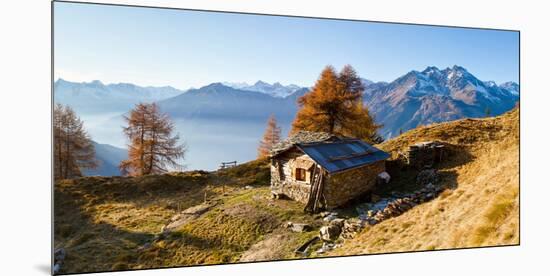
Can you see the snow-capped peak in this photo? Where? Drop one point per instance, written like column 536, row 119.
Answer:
column 490, row 83
column 276, row 89
column 511, row 86
column 431, row 70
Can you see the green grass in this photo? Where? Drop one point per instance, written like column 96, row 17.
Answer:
column 103, row 222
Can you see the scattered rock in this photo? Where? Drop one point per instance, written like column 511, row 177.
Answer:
column 331, row 216
column 384, row 177
column 248, row 187
column 300, row 227
column 330, row 233
column 385, row 208
column 327, row 246
column 187, row 215
column 198, row 209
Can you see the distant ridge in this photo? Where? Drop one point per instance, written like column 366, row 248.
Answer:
column 416, row 98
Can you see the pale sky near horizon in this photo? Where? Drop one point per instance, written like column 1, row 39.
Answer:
column 184, row 49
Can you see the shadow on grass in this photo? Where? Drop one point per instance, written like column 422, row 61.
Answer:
column 93, row 245
column 403, row 176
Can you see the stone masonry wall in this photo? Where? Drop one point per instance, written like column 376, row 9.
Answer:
column 282, row 180
column 345, row 186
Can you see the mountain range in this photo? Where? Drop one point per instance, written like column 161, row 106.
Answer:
column 218, row 101
column 96, row 97
column 416, row 98
column 434, row 95
column 276, row 89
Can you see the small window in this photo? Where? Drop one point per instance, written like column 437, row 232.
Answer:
column 300, row 174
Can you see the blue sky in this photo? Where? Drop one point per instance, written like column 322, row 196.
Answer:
column 187, row 49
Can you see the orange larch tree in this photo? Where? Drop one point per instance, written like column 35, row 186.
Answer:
column 272, row 136
column 73, row 147
column 335, row 105
column 152, row 149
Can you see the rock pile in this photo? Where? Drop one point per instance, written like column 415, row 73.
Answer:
column 373, row 213
column 330, row 233
column 387, row 208
column 352, row 227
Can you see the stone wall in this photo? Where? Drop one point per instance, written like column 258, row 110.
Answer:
column 345, row 186
column 282, row 179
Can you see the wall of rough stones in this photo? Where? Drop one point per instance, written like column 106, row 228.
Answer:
column 339, row 188
column 282, row 180
column 345, row 186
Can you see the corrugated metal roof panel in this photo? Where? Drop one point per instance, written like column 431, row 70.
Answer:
column 343, row 155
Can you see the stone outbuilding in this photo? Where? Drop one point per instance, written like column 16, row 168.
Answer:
column 324, row 171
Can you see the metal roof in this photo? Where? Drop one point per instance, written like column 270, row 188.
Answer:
column 343, row 155
column 302, row 137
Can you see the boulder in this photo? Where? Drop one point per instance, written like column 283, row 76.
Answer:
column 384, row 177
column 300, row 227
column 330, row 233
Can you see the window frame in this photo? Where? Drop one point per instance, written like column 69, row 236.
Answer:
column 302, row 173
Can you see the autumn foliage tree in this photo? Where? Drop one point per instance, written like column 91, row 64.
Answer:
column 335, row 105
column 152, row 147
column 272, row 136
column 73, row 148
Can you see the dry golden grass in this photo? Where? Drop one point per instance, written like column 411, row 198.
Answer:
column 480, row 206
column 103, row 222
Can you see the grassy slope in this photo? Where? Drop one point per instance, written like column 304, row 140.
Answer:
column 480, row 206
column 102, row 222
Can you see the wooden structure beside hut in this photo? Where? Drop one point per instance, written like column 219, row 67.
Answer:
column 324, row 171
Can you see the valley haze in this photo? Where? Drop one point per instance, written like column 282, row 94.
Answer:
column 224, row 121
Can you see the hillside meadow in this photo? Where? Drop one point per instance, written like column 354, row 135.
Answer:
column 198, row 217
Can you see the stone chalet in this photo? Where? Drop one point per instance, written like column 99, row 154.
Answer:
column 324, row 171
